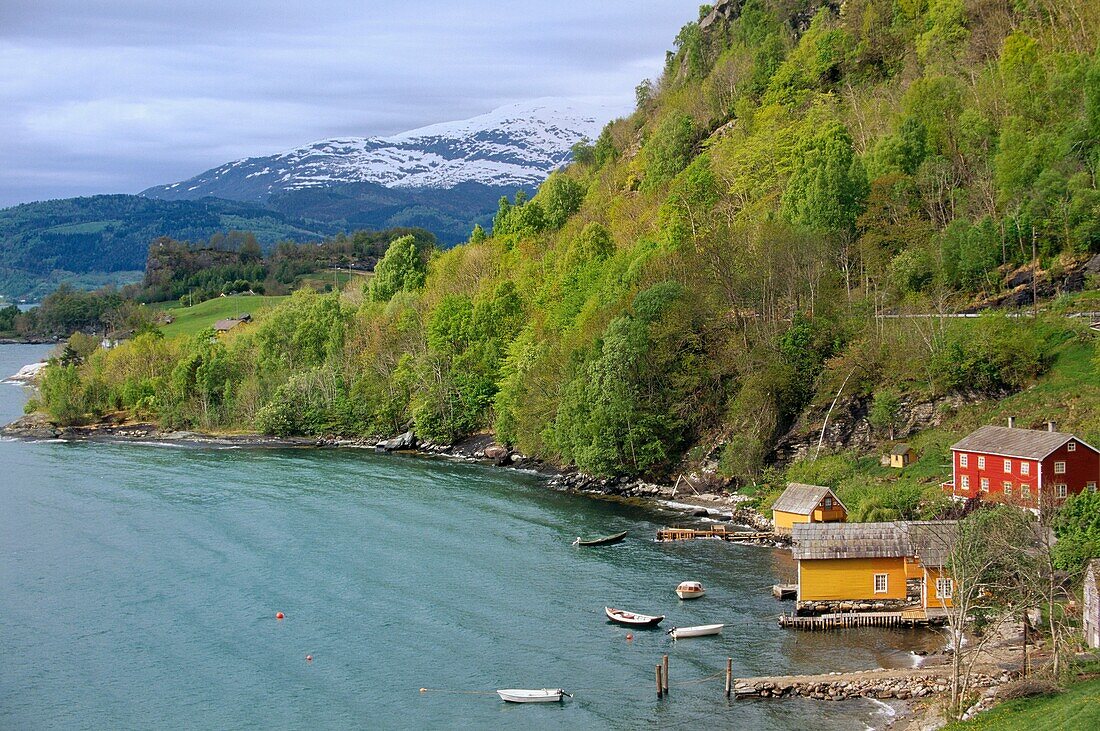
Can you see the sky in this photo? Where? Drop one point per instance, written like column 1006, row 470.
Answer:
column 114, row 96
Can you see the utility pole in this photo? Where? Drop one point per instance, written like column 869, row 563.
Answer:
column 1034, row 276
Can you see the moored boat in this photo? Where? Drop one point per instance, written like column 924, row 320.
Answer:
column 632, row 619
column 605, row 541
column 521, row 695
column 702, row 630
column 690, row 590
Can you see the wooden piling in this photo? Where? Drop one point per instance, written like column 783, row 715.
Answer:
column 660, row 685
column 664, row 673
column 729, row 676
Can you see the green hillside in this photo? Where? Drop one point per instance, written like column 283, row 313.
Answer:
column 192, row 320
column 726, row 267
column 79, row 240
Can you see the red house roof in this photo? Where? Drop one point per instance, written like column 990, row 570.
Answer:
column 1010, row 442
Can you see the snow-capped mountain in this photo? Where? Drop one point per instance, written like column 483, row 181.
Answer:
column 516, row 145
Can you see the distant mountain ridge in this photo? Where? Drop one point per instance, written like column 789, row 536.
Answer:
column 514, row 146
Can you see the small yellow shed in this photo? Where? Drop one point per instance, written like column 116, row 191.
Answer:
column 806, row 504
column 902, row 456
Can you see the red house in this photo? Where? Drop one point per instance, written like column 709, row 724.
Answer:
column 1020, row 465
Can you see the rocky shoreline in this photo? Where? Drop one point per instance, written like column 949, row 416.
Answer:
column 479, row 448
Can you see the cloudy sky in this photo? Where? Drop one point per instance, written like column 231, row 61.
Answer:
column 104, row 96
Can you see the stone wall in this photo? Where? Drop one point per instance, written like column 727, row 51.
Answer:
column 857, row 685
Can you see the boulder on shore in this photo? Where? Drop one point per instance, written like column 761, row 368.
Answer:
column 402, row 441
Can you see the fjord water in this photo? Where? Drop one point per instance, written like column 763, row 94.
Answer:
column 141, row 582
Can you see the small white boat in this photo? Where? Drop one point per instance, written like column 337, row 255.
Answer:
column 678, row 633
column 690, row 590
column 632, row 619
column 519, row 695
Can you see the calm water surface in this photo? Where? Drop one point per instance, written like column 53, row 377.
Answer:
column 140, row 586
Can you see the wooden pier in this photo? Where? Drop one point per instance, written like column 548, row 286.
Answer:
column 824, row 622
column 717, row 532
column 785, row 591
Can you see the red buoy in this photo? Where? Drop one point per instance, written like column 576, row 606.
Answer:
column 629, row 637
column 278, row 615
column 309, row 658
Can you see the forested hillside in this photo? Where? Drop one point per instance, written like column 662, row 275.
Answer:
column 111, row 233
column 715, row 267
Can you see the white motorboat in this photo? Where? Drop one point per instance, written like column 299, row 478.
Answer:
column 520, row 695
column 678, row 633
column 631, row 619
column 690, row 590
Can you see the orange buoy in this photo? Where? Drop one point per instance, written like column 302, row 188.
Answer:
column 629, row 637
column 279, row 615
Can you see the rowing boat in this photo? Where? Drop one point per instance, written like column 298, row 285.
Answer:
column 631, row 619
column 702, row 630
column 520, row 695
column 605, row 541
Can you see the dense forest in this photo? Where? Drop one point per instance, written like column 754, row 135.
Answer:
column 729, row 258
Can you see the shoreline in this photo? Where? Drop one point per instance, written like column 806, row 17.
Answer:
column 476, row 449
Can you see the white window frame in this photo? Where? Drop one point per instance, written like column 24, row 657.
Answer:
column 964, row 460
column 964, row 482
column 1059, row 468
column 945, row 588
column 1071, row 447
column 1061, row 490
column 1007, row 489
column 1008, row 467
column 1090, row 486
column 1025, row 492
column 1025, row 468
column 985, row 484
column 981, row 462
column 885, row 583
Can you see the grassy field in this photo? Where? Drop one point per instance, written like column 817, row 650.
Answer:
column 190, row 320
column 1077, row 709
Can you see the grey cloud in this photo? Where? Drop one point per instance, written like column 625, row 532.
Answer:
column 117, row 95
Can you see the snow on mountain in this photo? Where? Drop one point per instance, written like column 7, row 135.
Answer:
column 515, row 145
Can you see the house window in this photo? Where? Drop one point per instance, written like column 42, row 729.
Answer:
column 881, row 583
column 827, row 503
column 981, row 463
column 945, row 588
column 1008, row 467
column 1059, row 468
column 1090, row 486
column 963, row 460
column 1008, row 489
column 1060, row 490
column 1071, row 447
column 1025, row 491
column 985, row 484
column 1025, row 468
column 964, row 482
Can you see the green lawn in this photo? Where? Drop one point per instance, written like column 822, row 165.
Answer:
column 1076, row 709
column 190, row 320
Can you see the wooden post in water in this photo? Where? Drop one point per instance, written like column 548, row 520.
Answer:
column 664, row 673
column 660, row 685
column 729, row 676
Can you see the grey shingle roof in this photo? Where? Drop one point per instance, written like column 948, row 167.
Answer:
column 1009, row 442
column 801, row 499
column 900, row 449
column 849, row 540
column 929, row 540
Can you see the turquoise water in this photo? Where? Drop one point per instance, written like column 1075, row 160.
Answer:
column 140, row 586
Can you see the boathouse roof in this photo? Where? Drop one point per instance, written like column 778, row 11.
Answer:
column 801, row 499
column 930, row 541
column 1012, row 442
column 901, row 449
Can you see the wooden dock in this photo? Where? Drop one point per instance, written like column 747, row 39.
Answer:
column 718, row 532
column 785, row 591
column 824, row 622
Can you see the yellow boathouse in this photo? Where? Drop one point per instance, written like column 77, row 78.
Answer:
column 873, row 562
column 806, row 504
